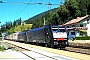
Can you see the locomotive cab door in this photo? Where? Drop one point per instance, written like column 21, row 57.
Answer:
column 48, row 36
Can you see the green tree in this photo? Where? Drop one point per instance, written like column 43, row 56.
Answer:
column 19, row 21
column 54, row 19
column 83, row 4
column 8, row 25
column 88, row 7
column 72, row 6
column 14, row 23
column 48, row 18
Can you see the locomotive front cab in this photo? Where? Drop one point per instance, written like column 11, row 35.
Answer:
column 59, row 36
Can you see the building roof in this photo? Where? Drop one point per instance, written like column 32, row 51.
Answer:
column 74, row 21
column 77, row 28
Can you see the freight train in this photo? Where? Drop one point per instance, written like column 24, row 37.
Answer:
column 48, row 35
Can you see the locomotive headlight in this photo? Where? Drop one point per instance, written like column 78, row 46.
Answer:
column 55, row 43
column 54, row 39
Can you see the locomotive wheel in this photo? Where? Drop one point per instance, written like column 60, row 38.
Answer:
column 61, row 48
column 37, row 44
column 46, row 45
column 26, row 42
column 52, row 46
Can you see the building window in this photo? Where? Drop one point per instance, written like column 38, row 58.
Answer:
column 72, row 33
column 67, row 26
column 73, row 26
column 88, row 20
column 81, row 25
column 68, row 33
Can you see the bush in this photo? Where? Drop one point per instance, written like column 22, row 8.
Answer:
column 82, row 38
column 2, row 48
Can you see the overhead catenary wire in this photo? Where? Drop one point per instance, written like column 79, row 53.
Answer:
column 29, row 3
column 18, row 9
column 16, row 2
column 23, row 9
column 42, row 7
column 37, row 10
column 56, row 1
column 28, row 14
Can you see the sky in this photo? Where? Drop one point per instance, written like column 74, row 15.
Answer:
column 13, row 11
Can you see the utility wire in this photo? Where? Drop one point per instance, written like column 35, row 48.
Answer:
column 56, row 1
column 49, row 4
column 29, row 3
column 30, row 11
column 18, row 8
column 59, row 2
column 23, row 9
column 37, row 10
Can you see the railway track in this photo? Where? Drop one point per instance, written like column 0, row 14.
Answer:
column 21, row 49
column 78, row 50
column 83, row 48
column 68, row 52
column 73, row 48
column 40, row 53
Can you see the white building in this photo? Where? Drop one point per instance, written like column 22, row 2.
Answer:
column 75, row 25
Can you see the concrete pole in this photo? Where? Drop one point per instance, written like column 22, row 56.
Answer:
column 44, row 20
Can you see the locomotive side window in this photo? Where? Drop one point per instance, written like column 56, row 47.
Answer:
column 72, row 33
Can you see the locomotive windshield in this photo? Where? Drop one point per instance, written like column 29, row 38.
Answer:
column 55, row 30
column 58, row 29
column 59, row 32
column 62, row 30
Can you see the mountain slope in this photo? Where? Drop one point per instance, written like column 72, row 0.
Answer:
column 39, row 16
